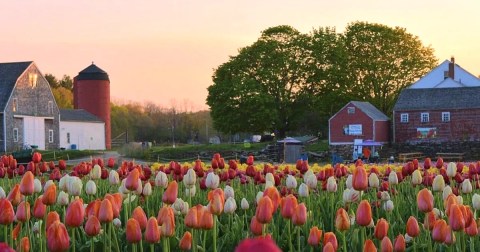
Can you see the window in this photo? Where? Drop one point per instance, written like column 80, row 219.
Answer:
column 424, row 117
column 15, row 135
column 351, row 110
column 15, row 104
column 50, row 107
column 32, row 79
column 445, row 116
column 404, row 118
column 68, row 137
column 50, row 136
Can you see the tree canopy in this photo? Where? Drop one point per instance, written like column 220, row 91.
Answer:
column 287, row 81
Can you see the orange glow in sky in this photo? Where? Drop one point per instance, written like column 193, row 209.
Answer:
column 165, row 51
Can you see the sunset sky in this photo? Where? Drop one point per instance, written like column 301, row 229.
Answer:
column 165, row 51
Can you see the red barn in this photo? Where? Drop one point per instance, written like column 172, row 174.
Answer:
column 358, row 120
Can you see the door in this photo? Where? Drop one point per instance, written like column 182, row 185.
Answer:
column 34, row 131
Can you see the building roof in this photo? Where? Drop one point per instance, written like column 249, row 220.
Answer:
column 437, row 75
column 370, row 110
column 78, row 115
column 92, row 72
column 9, row 74
column 438, row 98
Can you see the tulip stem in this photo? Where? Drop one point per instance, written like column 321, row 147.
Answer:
column 112, row 230
column 91, row 245
column 290, row 246
column 134, row 247
column 298, row 238
column 344, row 241
column 194, row 245
column 472, row 244
column 105, row 237
column 151, row 247
column 73, row 239
column 215, row 233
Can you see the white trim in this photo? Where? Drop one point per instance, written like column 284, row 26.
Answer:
column 44, row 117
column 342, row 143
column 444, row 114
column 427, row 117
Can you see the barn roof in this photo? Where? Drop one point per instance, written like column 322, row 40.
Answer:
column 370, row 110
column 9, row 74
column 78, row 115
column 438, row 98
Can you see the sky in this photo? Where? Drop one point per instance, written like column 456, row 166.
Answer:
column 165, row 52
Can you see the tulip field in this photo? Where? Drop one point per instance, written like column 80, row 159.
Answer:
column 223, row 205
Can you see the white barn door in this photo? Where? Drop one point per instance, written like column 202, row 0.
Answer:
column 34, row 131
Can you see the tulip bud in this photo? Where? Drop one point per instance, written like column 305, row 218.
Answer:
column 178, row 205
column 228, row 192
column 91, row 188
column 117, row 223
column 451, row 169
column 467, row 186
column 310, row 180
column 364, row 213
column 161, row 179
column 36, row 227
column 413, row 230
column 342, row 220
column 348, row 182
column 447, row 190
column 75, row 186
column 460, row 199
column 190, row 179
column 37, row 186
column 63, row 183
column 269, row 177
column 384, row 196
column 291, row 182
column 331, row 184
column 388, row 206
column 212, row 181
column 186, row 241
column 476, row 201
column 438, row 183
column 230, row 206
column 244, row 204
column 96, row 172
column 113, row 178
column 62, row 198
column 147, row 189
column 303, row 190
column 258, row 197
column 417, row 177
column 393, row 178
column 373, row 181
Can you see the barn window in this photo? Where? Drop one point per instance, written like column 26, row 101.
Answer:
column 15, row 104
column 445, row 116
column 50, row 107
column 351, row 110
column 404, row 118
column 68, row 137
column 15, row 135
column 50, row 136
column 424, row 117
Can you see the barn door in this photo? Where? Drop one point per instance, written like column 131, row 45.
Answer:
column 34, row 132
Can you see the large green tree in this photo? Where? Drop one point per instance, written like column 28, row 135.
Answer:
column 381, row 61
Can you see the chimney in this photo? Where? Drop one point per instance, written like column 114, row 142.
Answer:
column 451, row 68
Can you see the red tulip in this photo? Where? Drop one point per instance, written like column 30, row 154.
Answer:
column 429, row 220
column 315, row 236
column 455, row 218
column 115, row 205
column 7, row 213
column 139, row 215
column 131, row 183
column 23, row 212
column 5, row 248
column 186, row 241
column 191, row 219
column 399, row 243
column 300, row 216
column 39, row 209
column 287, row 206
column 51, row 218
column 342, row 221
column 170, row 194
column 274, row 195
column 360, row 179
column 264, row 212
column 24, row 245
column 105, row 213
column 329, row 237
column 472, row 229
column 93, row 208
column 57, row 237
column 75, row 214
column 381, row 229
column 37, row 157
column 369, row 246
column 50, row 195
column 449, row 237
column 255, row 226
column 152, row 233
column 133, row 231
column 413, row 230
column 364, row 213
column 16, row 231
column 26, row 184
column 257, row 244
column 425, row 200
column 92, row 226
column 386, row 245
column 328, row 248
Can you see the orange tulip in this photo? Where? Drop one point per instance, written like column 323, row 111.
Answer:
column 206, row 222
column 450, row 236
column 92, row 226
column 93, row 208
column 255, row 226
column 133, row 232
column 163, row 214
column 23, row 212
column 369, row 246
column 139, row 215
column 425, row 200
column 186, row 241
column 26, row 184
column 381, row 229
column 15, row 197
column 118, row 200
column 264, row 212
column 342, row 221
column 449, row 201
column 315, row 236
column 170, row 194
column 50, row 195
column 455, row 219
column 24, row 245
column 300, row 216
column 329, row 237
column 217, row 201
column 287, row 206
column 168, row 227
column 131, row 183
column 364, row 213
column 105, row 213
column 413, row 230
column 152, row 234
column 399, row 244
column 472, row 229
column 467, row 214
column 7, row 213
column 51, row 218
column 429, row 220
column 191, row 219
column 39, row 209
column 360, row 179
column 386, row 245
column 115, row 207
column 274, row 195
column 328, row 248
column 75, row 214
column 16, row 231
column 57, row 237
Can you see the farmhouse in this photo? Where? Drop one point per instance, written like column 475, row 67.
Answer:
column 30, row 117
column 442, row 106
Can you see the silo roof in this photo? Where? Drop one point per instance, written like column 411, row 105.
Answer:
column 92, row 72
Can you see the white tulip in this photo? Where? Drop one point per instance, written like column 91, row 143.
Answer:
column 417, row 177
column 230, row 206
column 190, row 179
column 212, row 181
column 185, row 208
column 311, row 181
column 122, row 189
column 393, row 178
column 372, row 224
column 147, row 189
column 62, row 198
column 373, row 180
column 331, row 184
column 190, row 191
column 384, row 196
column 269, row 177
column 161, row 179
column 346, row 196
column 308, row 174
column 117, row 223
column 408, row 238
column 259, row 196
column 48, row 184
column 438, row 183
column 63, row 183
column 244, row 204
column 268, row 184
column 96, row 172
column 451, row 169
column 36, row 226
column 476, row 201
column 460, row 199
column 291, row 182
column 228, row 192
column 349, row 181
column 447, row 190
column 467, row 186
column 388, row 206
column 37, row 186
column 139, row 188
column 132, row 199
column 178, row 205
column 91, row 188
column 2, row 193
column 354, row 195
column 438, row 213
column 75, row 186
column 113, row 178
column 303, row 190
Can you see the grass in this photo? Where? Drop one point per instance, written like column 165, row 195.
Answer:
column 49, row 155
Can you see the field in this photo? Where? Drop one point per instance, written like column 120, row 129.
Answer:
column 222, row 205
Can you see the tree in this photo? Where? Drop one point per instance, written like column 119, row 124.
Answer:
column 381, row 61
column 63, row 97
column 52, row 80
column 66, row 82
